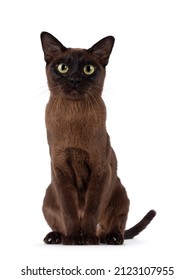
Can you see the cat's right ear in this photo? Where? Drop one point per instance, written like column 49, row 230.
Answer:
column 51, row 46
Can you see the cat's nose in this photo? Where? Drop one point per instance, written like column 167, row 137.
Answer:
column 75, row 79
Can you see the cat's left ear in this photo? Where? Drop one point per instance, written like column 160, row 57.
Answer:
column 103, row 49
column 51, row 46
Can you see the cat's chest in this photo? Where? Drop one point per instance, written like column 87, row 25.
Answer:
column 79, row 133
column 74, row 127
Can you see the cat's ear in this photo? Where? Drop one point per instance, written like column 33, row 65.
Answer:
column 102, row 49
column 51, row 46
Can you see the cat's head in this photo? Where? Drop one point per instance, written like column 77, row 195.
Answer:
column 75, row 73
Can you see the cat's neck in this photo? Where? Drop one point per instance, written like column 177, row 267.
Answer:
column 76, row 110
column 70, row 120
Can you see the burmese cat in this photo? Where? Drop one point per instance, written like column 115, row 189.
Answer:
column 85, row 202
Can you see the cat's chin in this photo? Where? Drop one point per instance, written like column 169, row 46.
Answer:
column 74, row 95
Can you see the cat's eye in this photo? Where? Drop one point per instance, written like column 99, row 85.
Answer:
column 62, row 68
column 89, row 69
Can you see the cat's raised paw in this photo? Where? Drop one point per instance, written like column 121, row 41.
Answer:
column 53, row 237
column 114, row 238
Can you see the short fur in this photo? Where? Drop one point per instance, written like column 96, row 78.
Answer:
column 85, row 202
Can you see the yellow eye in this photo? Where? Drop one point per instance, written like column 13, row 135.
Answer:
column 62, row 68
column 89, row 69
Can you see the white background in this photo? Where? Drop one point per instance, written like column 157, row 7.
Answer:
column 150, row 98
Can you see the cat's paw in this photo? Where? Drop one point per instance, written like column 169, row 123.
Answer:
column 70, row 240
column 114, row 238
column 53, row 237
column 88, row 239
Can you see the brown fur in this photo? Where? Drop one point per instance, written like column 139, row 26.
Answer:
column 85, row 202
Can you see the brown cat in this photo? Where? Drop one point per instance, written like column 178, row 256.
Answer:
column 85, row 202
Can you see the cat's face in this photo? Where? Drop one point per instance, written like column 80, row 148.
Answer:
column 75, row 73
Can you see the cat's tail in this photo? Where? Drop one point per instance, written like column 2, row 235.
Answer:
column 135, row 230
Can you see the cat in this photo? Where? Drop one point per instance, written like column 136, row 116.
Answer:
column 86, row 203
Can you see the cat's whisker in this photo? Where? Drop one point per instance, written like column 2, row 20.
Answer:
column 44, row 90
column 55, row 103
column 94, row 97
column 91, row 104
column 43, row 86
column 60, row 100
column 89, row 98
column 46, row 93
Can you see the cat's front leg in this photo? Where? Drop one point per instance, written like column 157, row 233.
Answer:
column 93, row 201
column 68, row 200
